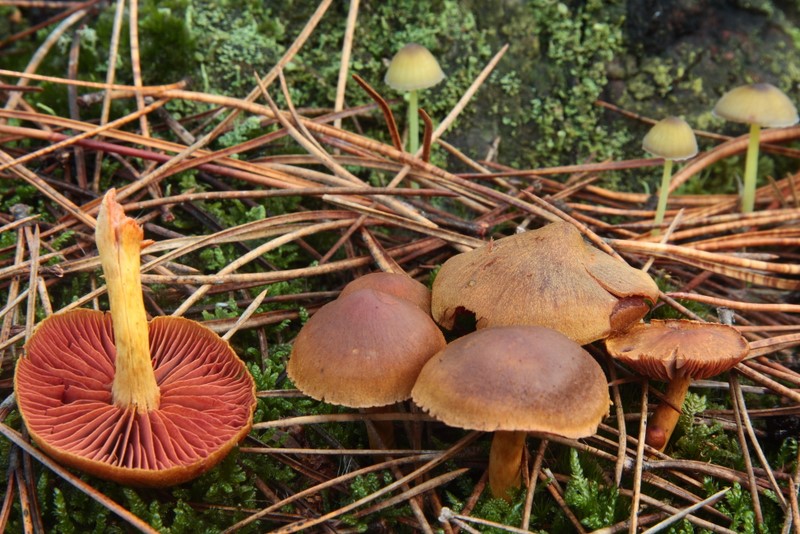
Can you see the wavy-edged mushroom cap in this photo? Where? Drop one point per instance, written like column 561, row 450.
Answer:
column 758, row 103
column 397, row 284
column 671, row 138
column 363, row 350
column 668, row 349
column 515, row 378
column 547, row 277
column 413, row 67
column 63, row 390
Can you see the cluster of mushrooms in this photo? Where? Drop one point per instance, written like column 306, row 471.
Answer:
column 759, row 105
column 536, row 297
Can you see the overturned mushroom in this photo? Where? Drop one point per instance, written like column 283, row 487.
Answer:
column 139, row 404
column 548, row 277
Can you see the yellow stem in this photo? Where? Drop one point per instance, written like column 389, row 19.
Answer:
column 505, row 462
column 119, row 240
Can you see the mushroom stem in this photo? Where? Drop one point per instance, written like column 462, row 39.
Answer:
column 505, row 462
column 413, row 121
column 665, row 417
column 750, row 169
column 119, row 240
column 663, row 195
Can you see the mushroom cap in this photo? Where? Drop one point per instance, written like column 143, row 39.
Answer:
column 758, row 103
column 63, row 390
column 671, row 138
column 413, row 67
column 515, row 378
column 363, row 350
column 665, row 349
column 398, row 284
column 546, row 277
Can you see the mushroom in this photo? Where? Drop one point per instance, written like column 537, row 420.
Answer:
column 413, row 68
column 672, row 139
column 512, row 380
column 140, row 404
column 398, row 284
column 759, row 105
column 364, row 349
column 676, row 351
column 546, row 277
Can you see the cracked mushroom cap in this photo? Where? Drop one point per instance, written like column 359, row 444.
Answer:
column 666, row 349
column 412, row 68
column 515, row 378
column 363, row 350
column 63, row 390
column 547, row 277
column 758, row 103
column 671, row 138
column 398, row 284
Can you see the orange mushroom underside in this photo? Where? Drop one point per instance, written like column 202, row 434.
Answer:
column 63, row 387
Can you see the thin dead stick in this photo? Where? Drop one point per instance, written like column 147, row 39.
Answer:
column 773, row 344
column 246, row 314
column 385, row 262
column 111, row 73
column 448, row 516
column 777, row 387
column 49, row 192
column 49, row 149
column 736, row 304
column 13, row 436
column 737, row 411
column 619, row 412
column 388, row 116
column 554, row 488
column 307, row 523
column 344, row 64
column 342, row 418
column 686, row 512
column 745, row 417
column 32, row 239
column 637, row 471
column 532, row 478
column 41, row 53
column 412, row 492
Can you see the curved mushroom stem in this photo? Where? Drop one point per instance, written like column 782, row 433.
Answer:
column 665, row 417
column 119, row 240
column 505, row 462
column 750, row 170
column 663, row 195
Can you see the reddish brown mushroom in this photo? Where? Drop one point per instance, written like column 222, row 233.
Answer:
column 364, row 349
column 144, row 405
column 512, row 380
column 397, row 284
column 677, row 352
column 547, row 277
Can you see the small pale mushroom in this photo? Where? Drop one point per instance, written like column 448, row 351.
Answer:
column 513, row 380
column 143, row 404
column 412, row 69
column 546, row 277
column 676, row 351
column 761, row 105
column 673, row 140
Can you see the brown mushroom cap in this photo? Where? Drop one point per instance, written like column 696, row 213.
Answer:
column 671, row 138
column 666, row 349
column 363, row 350
column 413, row 67
column 515, row 378
column 63, row 389
column 547, row 277
column 397, row 284
column 759, row 103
